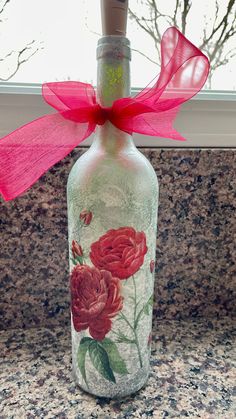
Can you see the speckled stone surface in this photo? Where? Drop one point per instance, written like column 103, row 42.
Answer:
column 196, row 252
column 193, row 375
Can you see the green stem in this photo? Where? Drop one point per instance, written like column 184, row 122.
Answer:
column 122, row 315
column 135, row 298
column 134, row 329
column 135, row 336
column 126, row 320
column 115, row 333
column 138, row 348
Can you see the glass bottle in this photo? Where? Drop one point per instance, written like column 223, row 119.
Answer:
column 112, row 216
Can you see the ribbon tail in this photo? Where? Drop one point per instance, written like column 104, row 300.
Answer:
column 28, row 152
column 158, row 124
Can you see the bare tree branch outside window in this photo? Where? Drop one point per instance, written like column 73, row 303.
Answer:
column 16, row 58
column 217, row 34
column 214, row 38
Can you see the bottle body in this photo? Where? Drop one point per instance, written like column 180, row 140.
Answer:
column 112, row 218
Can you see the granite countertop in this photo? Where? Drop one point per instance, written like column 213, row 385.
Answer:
column 193, row 375
column 193, row 352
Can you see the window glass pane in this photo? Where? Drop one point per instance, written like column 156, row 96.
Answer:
column 52, row 40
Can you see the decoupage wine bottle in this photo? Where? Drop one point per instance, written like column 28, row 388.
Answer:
column 112, row 217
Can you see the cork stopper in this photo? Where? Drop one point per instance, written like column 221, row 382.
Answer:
column 114, row 17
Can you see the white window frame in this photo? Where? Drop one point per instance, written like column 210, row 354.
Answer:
column 207, row 121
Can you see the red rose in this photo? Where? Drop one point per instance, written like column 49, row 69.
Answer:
column 120, row 251
column 95, row 299
column 86, row 216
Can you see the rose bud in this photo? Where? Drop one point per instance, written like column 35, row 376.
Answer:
column 76, row 249
column 86, row 217
column 152, row 266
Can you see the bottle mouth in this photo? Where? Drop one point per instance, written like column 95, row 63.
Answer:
column 114, row 46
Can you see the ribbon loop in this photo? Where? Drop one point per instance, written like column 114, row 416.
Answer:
column 28, row 152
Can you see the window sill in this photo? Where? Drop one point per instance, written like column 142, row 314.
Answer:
column 208, row 120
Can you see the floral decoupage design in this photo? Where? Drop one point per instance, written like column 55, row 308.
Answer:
column 96, row 299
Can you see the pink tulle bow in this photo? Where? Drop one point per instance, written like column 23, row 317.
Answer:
column 32, row 149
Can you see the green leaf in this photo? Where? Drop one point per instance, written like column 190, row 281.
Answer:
column 100, row 360
column 86, row 339
column 81, row 354
column 79, row 259
column 148, row 305
column 116, row 362
column 73, row 261
column 146, row 310
column 150, row 301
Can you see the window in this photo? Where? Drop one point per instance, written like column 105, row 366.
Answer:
column 56, row 40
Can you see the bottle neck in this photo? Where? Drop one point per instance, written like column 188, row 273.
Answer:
column 113, row 70
column 113, row 82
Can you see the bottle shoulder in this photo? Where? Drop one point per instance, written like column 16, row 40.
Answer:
column 128, row 173
column 129, row 161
